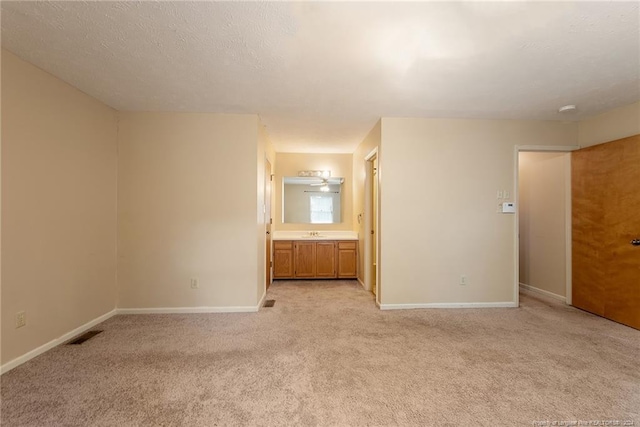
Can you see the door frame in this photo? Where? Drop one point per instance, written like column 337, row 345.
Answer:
column 268, row 227
column 543, row 149
column 368, row 222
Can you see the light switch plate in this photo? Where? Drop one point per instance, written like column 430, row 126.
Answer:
column 508, row 207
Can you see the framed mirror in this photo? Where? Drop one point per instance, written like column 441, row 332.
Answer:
column 311, row 200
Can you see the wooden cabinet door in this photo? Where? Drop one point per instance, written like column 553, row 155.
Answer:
column 305, row 259
column 326, row 259
column 282, row 259
column 347, row 260
column 605, row 220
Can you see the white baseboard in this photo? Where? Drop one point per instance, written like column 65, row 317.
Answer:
column 160, row 310
column 53, row 343
column 507, row 304
column 189, row 310
column 543, row 292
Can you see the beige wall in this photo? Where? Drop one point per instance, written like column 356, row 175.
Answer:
column 188, row 206
column 543, row 199
column 371, row 141
column 615, row 124
column 59, row 174
column 438, row 206
column 340, row 165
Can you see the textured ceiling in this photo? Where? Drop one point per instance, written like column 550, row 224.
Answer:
column 321, row 74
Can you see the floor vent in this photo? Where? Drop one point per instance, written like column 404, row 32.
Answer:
column 84, row 337
column 269, row 303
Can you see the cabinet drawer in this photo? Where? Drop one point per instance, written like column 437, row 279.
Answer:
column 347, row 245
column 282, row 244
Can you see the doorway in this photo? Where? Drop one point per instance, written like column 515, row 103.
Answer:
column 544, row 207
column 372, row 225
column 543, row 221
column 602, row 228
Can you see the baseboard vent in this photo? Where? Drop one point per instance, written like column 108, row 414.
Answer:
column 84, row 337
column 269, row 303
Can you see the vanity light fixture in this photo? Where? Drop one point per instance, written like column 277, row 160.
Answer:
column 315, row 174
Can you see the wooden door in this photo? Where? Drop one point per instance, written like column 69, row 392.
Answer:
column 305, row 259
column 605, row 219
column 326, row 259
column 347, row 260
column 283, row 259
column 267, row 217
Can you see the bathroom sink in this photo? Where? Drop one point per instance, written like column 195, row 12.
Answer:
column 316, row 235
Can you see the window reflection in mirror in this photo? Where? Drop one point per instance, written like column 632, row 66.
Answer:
column 311, row 200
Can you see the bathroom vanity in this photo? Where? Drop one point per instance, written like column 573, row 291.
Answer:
column 327, row 255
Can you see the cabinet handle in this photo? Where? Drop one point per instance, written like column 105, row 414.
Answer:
column 635, row 242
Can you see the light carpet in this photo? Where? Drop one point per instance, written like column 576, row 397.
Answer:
column 325, row 355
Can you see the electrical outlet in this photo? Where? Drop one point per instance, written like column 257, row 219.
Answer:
column 463, row 280
column 195, row 284
column 21, row 319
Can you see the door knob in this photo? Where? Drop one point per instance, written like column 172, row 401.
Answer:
column 635, row 242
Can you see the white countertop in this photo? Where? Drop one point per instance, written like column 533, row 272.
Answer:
column 323, row 235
